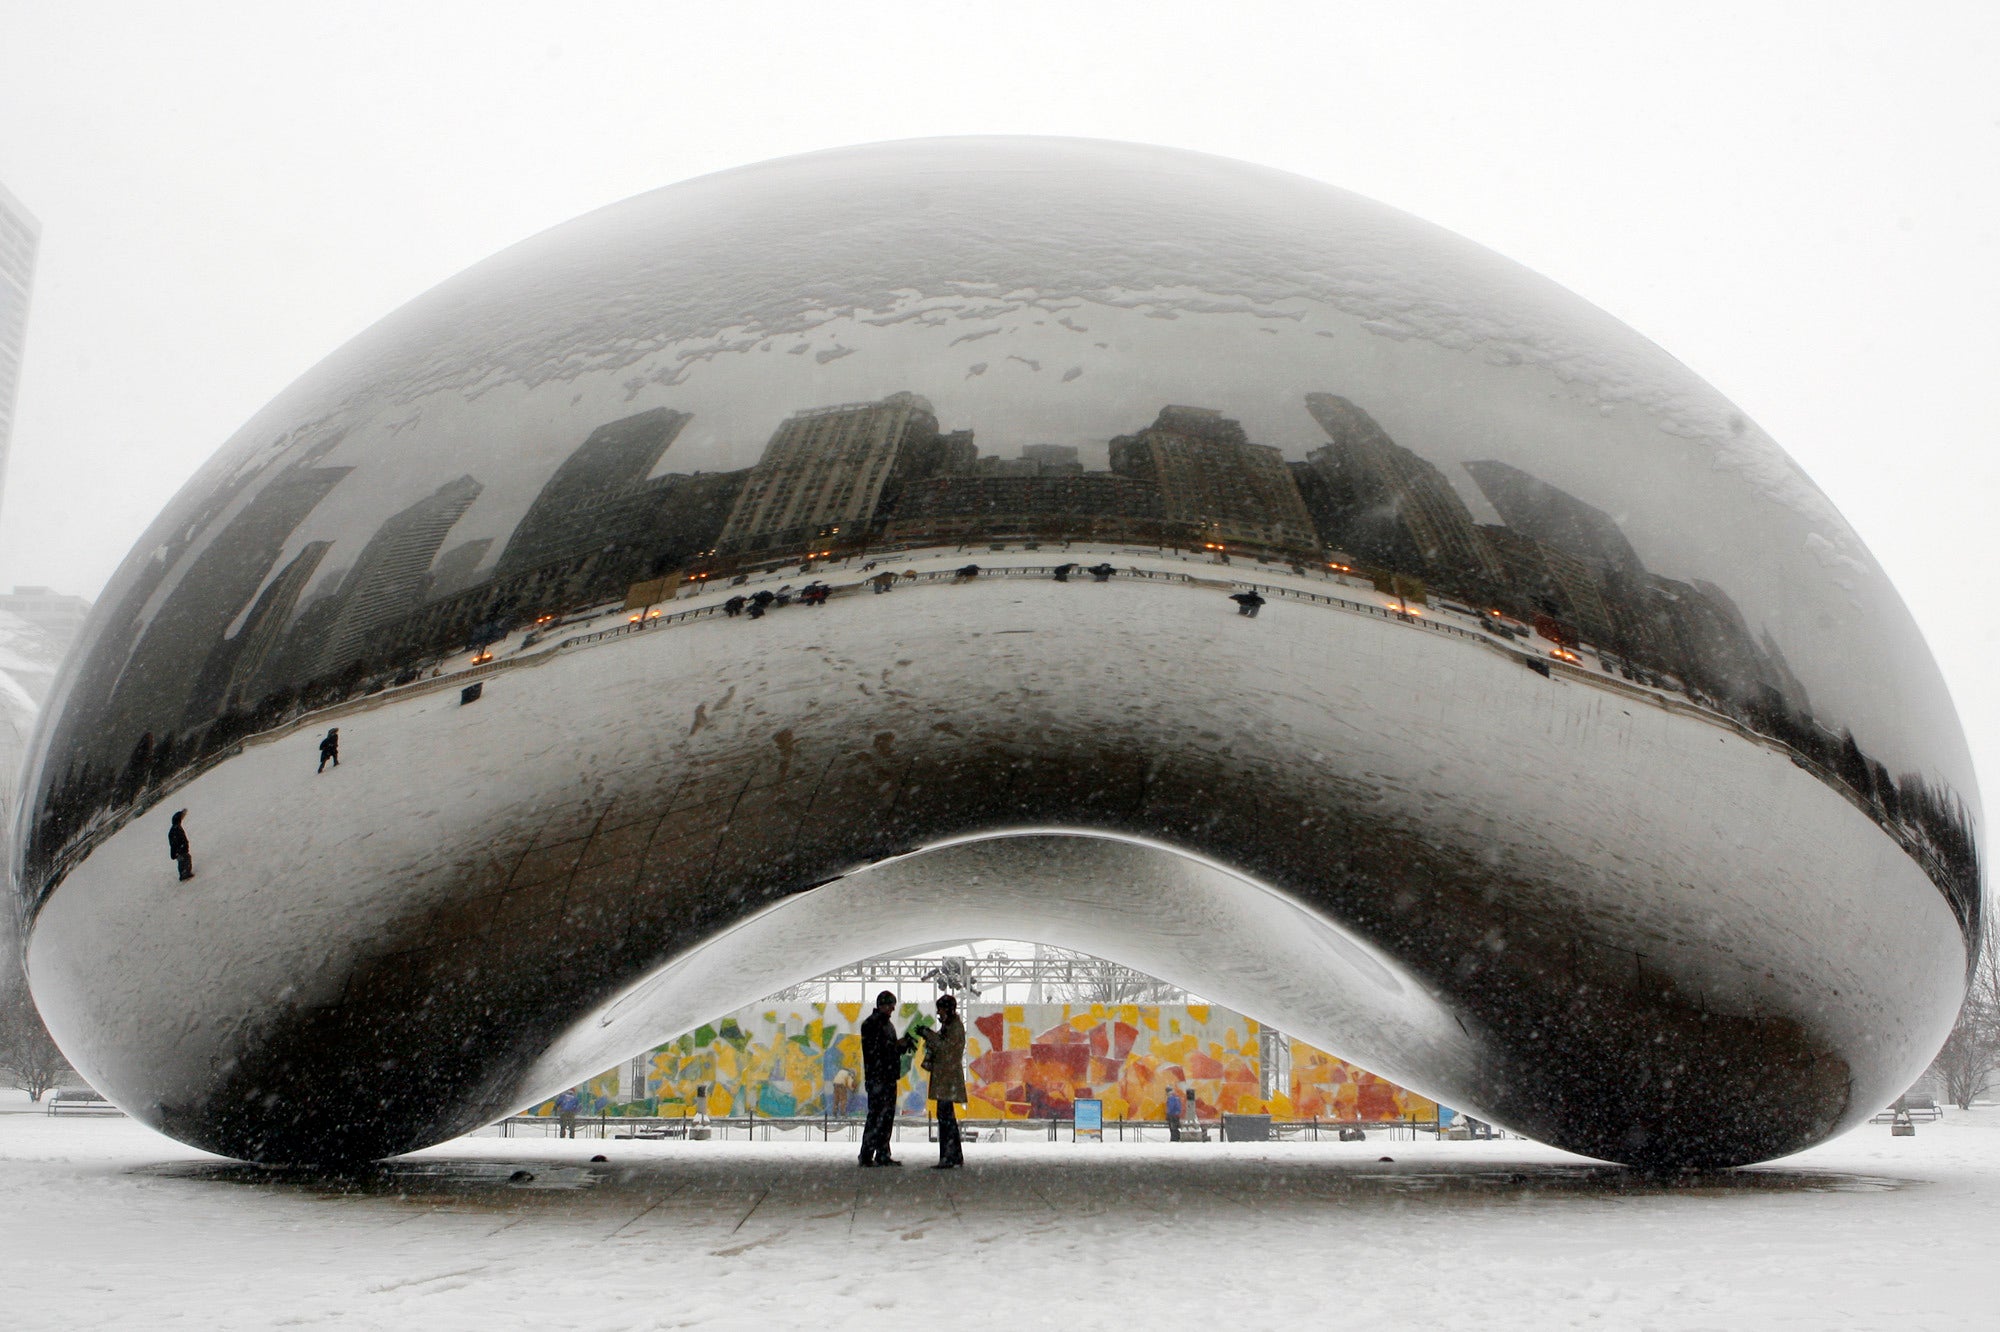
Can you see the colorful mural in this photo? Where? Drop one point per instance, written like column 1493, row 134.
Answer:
column 1023, row 1061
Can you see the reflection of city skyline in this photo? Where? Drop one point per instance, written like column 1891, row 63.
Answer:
column 268, row 641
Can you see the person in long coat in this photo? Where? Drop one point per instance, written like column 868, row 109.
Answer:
column 944, row 1061
column 177, row 846
column 881, row 1068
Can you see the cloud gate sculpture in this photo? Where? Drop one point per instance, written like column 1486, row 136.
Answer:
column 1048, row 539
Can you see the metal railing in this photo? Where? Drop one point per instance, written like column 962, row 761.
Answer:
column 664, row 1128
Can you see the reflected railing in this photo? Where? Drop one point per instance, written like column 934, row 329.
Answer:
column 1962, row 902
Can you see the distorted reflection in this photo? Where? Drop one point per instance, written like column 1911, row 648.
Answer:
column 1278, row 581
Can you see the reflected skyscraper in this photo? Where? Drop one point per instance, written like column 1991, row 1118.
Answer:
column 1215, row 483
column 1035, row 460
column 192, row 622
column 1384, row 503
column 1533, row 508
column 238, row 677
column 826, row 471
column 457, row 568
column 392, row 572
column 597, row 496
column 1535, row 578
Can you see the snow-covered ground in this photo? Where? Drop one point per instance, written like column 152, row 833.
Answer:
column 108, row 1225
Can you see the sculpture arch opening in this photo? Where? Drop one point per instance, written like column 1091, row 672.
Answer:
column 1159, row 911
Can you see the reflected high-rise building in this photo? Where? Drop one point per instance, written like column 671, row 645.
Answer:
column 456, row 569
column 1044, row 493
column 1035, row 460
column 238, row 676
column 599, row 524
column 970, row 506
column 391, row 572
column 1568, row 560
column 20, row 236
column 191, row 623
column 1053, row 459
column 1532, row 507
column 1213, row 481
column 1539, row 579
column 827, row 471
column 596, row 492
column 1386, row 504
column 1717, row 653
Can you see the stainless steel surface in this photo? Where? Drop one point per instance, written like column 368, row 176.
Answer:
column 1580, row 768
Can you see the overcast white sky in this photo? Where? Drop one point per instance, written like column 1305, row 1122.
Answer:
column 1798, row 201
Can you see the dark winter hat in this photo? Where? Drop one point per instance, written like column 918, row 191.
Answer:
column 885, row 997
column 947, row 1003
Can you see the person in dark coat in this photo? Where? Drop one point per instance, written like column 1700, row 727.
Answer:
column 881, row 1069
column 944, row 1060
column 329, row 748
column 734, row 606
column 1063, row 572
column 1101, row 571
column 760, row 601
column 1247, row 602
column 966, row 571
column 177, row 846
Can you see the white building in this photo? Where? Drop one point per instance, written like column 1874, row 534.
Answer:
column 20, row 234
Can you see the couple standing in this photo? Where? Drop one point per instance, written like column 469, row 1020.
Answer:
column 882, row 1067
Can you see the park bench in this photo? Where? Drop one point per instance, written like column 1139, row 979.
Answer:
column 81, row 1101
column 1923, row 1108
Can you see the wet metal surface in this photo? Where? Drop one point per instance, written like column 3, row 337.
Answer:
column 1076, row 542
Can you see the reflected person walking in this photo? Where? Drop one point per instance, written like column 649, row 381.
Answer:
column 177, row 846
column 1247, row 602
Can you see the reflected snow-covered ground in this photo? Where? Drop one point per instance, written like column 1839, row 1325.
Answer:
column 1746, row 896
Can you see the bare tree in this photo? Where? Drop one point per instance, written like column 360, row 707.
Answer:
column 1966, row 1064
column 27, row 1053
